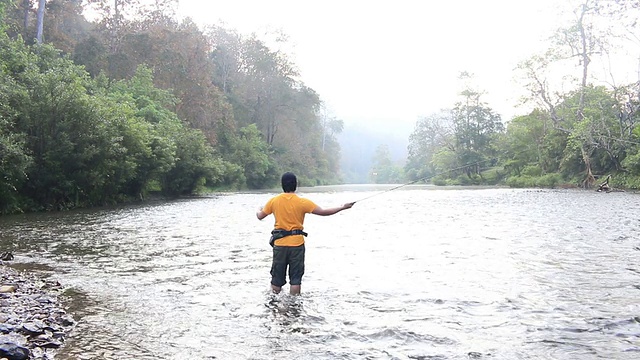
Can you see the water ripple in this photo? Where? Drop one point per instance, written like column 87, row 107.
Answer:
column 419, row 273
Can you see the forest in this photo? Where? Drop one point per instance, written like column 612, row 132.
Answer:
column 135, row 102
column 582, row 127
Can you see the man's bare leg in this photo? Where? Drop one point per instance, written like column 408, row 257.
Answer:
column 276, row 289
column 295, row 290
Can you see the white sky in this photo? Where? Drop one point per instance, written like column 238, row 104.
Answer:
column 394, row 61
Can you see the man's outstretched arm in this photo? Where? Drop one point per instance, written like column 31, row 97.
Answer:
column 330, row 211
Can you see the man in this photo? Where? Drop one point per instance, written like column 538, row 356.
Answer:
column 288, row 235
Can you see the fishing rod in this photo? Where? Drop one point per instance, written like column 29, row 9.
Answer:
column 423, row 178
column 394, row 188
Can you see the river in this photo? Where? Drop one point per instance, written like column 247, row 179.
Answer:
column 416, row 273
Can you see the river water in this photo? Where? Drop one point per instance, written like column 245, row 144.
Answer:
column 415, row 273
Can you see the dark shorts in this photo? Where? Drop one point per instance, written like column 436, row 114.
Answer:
column 291, row 257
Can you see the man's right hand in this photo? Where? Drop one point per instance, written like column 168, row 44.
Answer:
column 348, row 205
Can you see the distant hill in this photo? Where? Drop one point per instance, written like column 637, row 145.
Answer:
column 358, row 143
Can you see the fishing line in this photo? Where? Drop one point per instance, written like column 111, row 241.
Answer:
column 423, row 178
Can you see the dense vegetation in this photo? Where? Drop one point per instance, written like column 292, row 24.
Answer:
column 105, row 111
column 581, row 128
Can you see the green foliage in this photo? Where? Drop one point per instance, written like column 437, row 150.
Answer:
column 250, row 150
column 59, row 119
column 492, row 176
column 476, row 130
column 179, row 157
column 532, row 171
column 528, row 181
column 195, row 165
column 154, row 78
column 14, row 156
column 430, row 135
column 384, row 170
column 3, row 6
column 625, row 181
column 69, row 141
column 446, row 162
column 523, row 141
column 632, row 161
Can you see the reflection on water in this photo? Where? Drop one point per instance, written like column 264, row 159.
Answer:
column 416, row 273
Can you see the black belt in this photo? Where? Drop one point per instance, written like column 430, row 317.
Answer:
column 279, row 234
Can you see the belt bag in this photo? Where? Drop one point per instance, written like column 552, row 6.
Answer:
column 279, row 234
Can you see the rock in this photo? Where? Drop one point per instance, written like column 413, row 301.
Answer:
column 32, row 329
column 14, row 352
column 33, row 321
column 6, row 256
column 66, row 320
column 8, row 288
column 6, row 328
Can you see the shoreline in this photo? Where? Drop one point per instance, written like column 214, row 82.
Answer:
column 33, row 320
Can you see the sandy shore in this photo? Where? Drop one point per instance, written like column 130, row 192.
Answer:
column 33, row 319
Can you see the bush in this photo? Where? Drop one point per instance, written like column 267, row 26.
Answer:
column 625, row 181
column 549, row 180
column 526, row 181
column 492, row 176
column 532, row 171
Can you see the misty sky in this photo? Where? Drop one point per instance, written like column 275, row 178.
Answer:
column 395, row 60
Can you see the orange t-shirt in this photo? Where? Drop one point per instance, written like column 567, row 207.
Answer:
column 289, row 210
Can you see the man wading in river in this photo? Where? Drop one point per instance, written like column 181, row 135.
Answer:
column 287, row 238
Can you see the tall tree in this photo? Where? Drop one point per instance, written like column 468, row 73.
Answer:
column 26, row 8
column 431, row 134
column 383, row 170
column 582, row 40
column 331, row 125
column 226, row 57
column 475, row 127
column 40, row 20
column 115, row 19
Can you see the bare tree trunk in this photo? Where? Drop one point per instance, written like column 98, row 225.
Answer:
column 584, row 54
column 589, row 180
column 115, row 27
column 26, row 6
column 324, row 126
column 40, row 23
column 585, row 61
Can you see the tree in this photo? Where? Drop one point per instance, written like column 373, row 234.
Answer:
column 66, row 26
column 431, row 134
column 226, row 56
column 594, row 133
column 475, row 129
column 383, row 170
column 40, row 20
column 331, row 125
column 524, row 142
column 581, row 40
column 14, row 157
column 268, row 86
column 250, row 150
column 114, row 21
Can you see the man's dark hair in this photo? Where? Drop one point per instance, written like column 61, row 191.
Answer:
column 289, row 182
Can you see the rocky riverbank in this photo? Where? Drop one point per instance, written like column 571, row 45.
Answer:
column 33, row 320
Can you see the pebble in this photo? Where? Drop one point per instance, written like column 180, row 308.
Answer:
column 33, row 320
